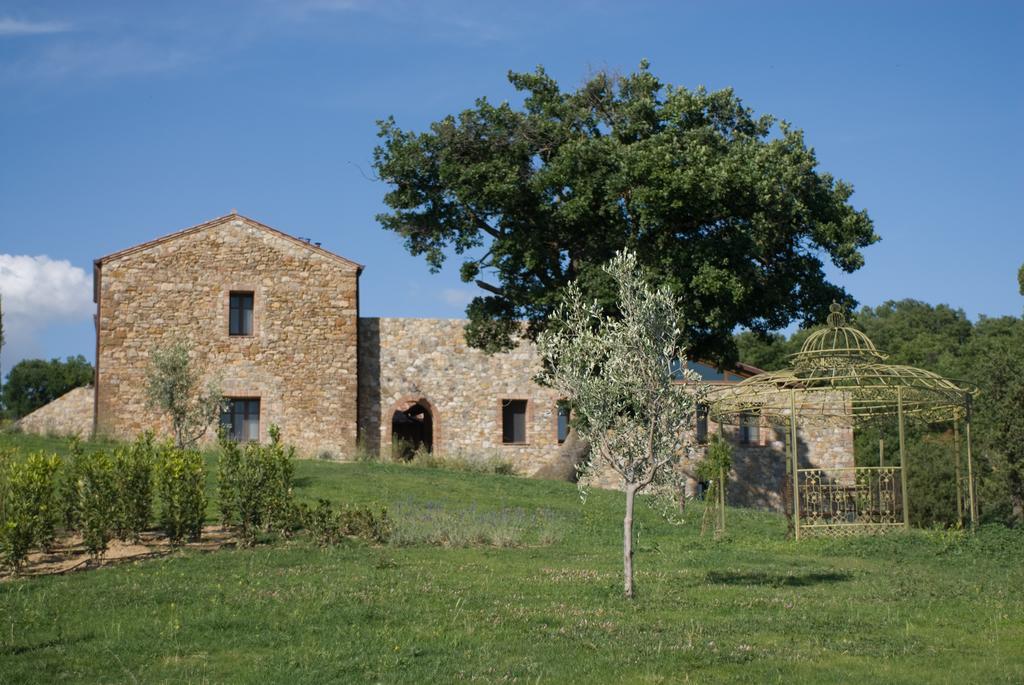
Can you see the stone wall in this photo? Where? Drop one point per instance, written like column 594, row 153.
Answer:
column 427, row 361
column 759, row 470
column 300, row 360
column 69, row 414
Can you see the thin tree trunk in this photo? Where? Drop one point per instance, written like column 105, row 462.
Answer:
column 627, row 541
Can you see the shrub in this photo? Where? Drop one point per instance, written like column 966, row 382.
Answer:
column 72, row 473
column 329, row 527
column 255, row 486
column 361, row 522
column 181, row 488
column 714, row 468
column 488, row 463
column 322, row 523
column 95, row 500
column 28, row 506
column 133, row 483
column 279, row 461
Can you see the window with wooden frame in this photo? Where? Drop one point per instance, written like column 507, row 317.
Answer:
column 562, row 416
column 702, row 424
column 513, row 422
column 241, row 418
column 240, row 313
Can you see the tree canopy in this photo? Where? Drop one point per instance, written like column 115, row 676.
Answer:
column 726, row 208
column 31, row 383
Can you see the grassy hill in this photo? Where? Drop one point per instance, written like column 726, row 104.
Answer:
column 920, row 607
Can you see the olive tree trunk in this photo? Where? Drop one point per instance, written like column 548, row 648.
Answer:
column 627, row 540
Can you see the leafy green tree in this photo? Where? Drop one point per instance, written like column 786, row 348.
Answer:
column 174, row 386
column 726, row 208
column 616, row 374
column 769, row 352
column 919, row 334
column 31, row 383
column 996, row 354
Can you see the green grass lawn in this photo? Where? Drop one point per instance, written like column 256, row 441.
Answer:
column 920, row 607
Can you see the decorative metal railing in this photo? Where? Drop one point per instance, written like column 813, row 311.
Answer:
column 839, row 501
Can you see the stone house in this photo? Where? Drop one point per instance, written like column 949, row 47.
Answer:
column 276, row 320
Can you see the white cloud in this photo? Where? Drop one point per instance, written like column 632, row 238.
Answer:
column 99, row 60
column 37, row 292
column 456, row 297
column 15, row 27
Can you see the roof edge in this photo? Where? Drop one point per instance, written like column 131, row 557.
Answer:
column 219, row 220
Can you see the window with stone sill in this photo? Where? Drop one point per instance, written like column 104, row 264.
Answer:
column 241, row 418
column 513, row 422
column 240, row 313
column 750, row 429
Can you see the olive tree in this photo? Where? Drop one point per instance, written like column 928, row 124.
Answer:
column 618, row 374
column 174, row 386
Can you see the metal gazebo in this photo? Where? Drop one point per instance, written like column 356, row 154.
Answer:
column 840, row 379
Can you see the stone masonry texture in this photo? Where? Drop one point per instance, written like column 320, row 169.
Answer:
column 333, row 381
column 427, row 361
column 69, row 414
column 300, row 360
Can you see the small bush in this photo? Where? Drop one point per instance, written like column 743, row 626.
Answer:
column 255, row 487
column 95, row 500
column 361, row 522
column 28, row 506
column 329, row 527
column 133, row 483
column 279, row 461
column 181, row 488
column 490, row 463
column 72, row 473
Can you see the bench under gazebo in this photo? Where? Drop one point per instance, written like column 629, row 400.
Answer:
column 839, row 378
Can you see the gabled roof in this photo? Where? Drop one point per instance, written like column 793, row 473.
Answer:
column 224, row 219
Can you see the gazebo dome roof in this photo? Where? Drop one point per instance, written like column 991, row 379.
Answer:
column 836, row 345
column 840, row 377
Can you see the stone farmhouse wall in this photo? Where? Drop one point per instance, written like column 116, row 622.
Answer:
column 69, row 414
column 300, row 360
column 759, row 469
column 427, row 361
column 330, row 379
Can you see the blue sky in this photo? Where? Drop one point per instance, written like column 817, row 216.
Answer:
column 120, row 122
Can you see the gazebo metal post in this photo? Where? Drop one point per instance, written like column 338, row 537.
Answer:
column 956, row 472
column 903, row 458
column 788, row 482
column 881, row 451
column 796, row 463
column 972, row 502
column 721, row 500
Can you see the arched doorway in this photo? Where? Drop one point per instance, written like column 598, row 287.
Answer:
column 412, row 429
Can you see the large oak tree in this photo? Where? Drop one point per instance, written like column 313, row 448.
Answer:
column 726, row 207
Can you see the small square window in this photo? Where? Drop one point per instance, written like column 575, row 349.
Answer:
column 241, row 418
column 240, row 308
column 513, row 421
column 563, row 421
